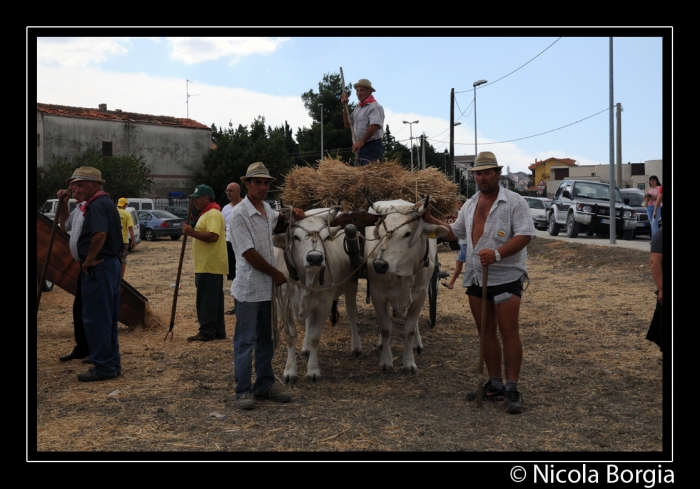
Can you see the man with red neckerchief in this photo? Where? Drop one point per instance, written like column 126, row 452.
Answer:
column 368, row 122
column 210, row 264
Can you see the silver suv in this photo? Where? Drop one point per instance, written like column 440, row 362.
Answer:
column 582, row 205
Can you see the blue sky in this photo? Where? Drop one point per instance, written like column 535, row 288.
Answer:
column 563, row 80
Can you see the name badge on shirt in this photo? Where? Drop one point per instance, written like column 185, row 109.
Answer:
column 501, row 234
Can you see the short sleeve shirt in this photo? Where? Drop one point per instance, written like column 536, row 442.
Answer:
column 127, row 221
column 101, row 217
column 363, row 117
column 253, row 231
column 226, row 211
column 74, row 224
column 211, row 257
column 509, row 216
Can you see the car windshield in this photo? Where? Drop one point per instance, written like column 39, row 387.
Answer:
column 636, row 198
column 592, row 190
column 164, row 215
column 536, row 204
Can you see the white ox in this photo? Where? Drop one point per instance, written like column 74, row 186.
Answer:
column 315, row 251
column 399, row 269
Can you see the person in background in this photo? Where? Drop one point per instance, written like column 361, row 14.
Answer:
column 651, row 197
column 233, row 193
column 127, row 231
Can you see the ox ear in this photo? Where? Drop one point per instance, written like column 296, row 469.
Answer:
column 435, row 230
column 279, row 240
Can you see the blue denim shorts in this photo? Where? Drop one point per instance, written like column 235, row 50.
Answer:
column 462, row 253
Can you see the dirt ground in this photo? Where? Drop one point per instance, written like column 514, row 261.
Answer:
column 590, row 381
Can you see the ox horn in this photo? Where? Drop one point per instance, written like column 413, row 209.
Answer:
column 422, row 210
column 371, row 204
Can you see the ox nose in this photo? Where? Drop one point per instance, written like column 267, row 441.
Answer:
column 314, row 258
column 381, row 266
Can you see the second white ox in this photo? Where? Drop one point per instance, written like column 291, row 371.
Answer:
column 315, row 253
column 399, row 269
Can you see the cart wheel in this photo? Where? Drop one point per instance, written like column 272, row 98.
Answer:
column 432, row 293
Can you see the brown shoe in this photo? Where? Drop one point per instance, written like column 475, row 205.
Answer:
column 199, row 337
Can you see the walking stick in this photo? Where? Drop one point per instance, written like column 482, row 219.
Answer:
column 347, row 113
column 484, row 298
column 179, row 271
column 42, row 281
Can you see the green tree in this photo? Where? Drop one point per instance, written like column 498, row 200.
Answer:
column 394, row 150
column 236, row 150
column 337, row 140
column 125, row 176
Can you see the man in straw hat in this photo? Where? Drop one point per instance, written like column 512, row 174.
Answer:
column 368, row 123
column 497, row 226
column 210, row 264
column 99, row 247
column 254, row 221
column 127, row 231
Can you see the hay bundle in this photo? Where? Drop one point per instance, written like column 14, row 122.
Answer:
column 309, row 188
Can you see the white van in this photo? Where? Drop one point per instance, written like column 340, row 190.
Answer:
column 49, row 210
column 141, row 204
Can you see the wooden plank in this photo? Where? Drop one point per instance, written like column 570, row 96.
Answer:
column 64, row 271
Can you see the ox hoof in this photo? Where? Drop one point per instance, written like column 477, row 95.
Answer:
column 356, row 353
column 313, row 378
column 409, row 370
column 290, row 379
column 386, row 368
column 418, row 349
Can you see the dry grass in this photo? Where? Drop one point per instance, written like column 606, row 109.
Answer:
column 309, row 188
column 591, row 382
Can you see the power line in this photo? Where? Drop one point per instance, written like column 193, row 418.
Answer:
column 541, row 133
column 501, row 78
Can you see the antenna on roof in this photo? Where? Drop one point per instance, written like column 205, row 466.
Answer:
column 187, row 89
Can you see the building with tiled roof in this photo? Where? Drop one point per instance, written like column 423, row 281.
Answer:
column 170, row 146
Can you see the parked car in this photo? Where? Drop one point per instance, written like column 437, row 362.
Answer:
column 155, row 224
column 538, row 209
column 137, row 228
column 583, row 205
column 49, row 207
column 180, row 212
column 634, row 197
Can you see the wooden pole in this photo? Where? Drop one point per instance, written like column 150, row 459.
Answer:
column 42, row 280
column 179, row 271
column 347, row 113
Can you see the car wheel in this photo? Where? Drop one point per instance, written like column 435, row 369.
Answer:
column 149, row 235
column 175, row 238
column 572, row 227
column 553, row 227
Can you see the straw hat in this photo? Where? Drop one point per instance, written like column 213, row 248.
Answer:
column 257, row 170
column 86, row 174
column 364, row 82
column 484, row 161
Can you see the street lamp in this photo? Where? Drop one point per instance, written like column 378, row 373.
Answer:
column 476, row 84
column 410, row 127
column 321, row 107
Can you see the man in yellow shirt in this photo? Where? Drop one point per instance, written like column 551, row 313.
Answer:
column 127, row 230
column 210, row 264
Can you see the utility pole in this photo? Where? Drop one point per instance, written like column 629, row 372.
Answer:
column 618, row 166
column 612, row 153
column 422, row 146
column 452, row 135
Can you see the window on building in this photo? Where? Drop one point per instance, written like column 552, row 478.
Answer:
column 561, row 173
column 641, row 186
column 106, row 148
column 637, row 168
column 593, row 174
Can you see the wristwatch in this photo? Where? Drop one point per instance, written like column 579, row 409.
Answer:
column 498, row 255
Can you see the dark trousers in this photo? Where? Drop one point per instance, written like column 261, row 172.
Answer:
column 81, row 346
column 372, row 150
column 210, row 304
column 231, row 261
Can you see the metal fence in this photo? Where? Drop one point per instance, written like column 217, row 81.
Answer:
column 171, row 202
